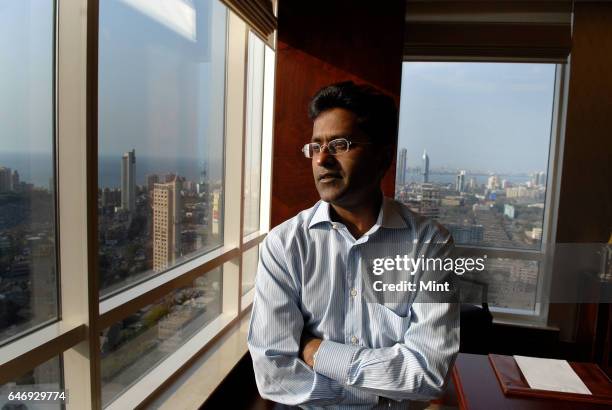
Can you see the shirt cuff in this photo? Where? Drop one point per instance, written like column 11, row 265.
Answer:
column 334, row 359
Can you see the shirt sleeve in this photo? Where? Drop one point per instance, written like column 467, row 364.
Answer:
column 416, row 369
column 274, row 340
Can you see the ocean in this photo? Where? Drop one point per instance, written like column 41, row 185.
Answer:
column 37, row 168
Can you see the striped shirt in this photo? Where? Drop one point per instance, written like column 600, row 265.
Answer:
column 309, row 279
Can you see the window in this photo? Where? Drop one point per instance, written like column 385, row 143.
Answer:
column 28, row 230
column 254, row 128
column 43, row 378
column 161, row 127
column 250, row 261
column 473, row 153
column 151, row 253
column 134, row 345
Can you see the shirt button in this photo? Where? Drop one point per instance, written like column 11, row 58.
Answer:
column 334, row 226
column 353, row 292
column 354, row 340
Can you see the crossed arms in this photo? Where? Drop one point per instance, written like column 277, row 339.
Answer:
column 342, row 374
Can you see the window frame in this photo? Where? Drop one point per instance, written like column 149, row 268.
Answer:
column 544, row 255
column 75, row 335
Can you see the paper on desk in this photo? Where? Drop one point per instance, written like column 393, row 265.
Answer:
column 550, row 374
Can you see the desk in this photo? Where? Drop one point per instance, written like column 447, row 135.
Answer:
column 478, row 389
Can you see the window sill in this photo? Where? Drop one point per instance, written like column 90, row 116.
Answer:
column 193, row 388
column 37, row 347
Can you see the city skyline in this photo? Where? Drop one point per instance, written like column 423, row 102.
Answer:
column 490, row 116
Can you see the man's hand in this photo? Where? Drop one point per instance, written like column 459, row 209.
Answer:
column 308, row 348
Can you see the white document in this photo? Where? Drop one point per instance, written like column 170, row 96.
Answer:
column 550, row 374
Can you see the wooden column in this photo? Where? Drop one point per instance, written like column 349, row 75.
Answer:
column 321, row 42
column 585, row 201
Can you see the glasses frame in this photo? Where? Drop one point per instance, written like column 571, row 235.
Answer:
column 305, row 148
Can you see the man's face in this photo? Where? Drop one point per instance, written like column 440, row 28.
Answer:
column 348, row 178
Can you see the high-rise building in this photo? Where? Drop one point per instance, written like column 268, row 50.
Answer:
column 542, row 178
column 425, row 167
column 429, row 200
column 472, row 184
column 460, row 186
column 401, row 167
column 152, row 179
column 216, row 212
column 15, row 180
column 166, row 224
column 128, row 181
column 5, row 179
column 493, row 182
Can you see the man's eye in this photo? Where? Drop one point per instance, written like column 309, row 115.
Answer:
column 339, row 145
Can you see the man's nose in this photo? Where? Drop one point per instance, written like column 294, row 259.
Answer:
column 324, row 157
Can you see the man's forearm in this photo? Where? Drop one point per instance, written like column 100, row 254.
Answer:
column 416, row 369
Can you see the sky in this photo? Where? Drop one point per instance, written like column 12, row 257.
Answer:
column 26, row 83
column 492, row 117
column 162, row 78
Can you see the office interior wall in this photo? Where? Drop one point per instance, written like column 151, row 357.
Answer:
column 585, row 201
column 319, row 43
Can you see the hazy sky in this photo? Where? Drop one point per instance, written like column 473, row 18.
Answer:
column 26, row 61
column 162, row 71
column 486, row 116
column 161, row 77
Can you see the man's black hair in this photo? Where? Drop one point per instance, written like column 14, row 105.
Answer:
column 376, row 112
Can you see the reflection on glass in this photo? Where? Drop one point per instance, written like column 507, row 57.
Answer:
column 132, row 347
column 44, row 378
column 28, row 275
column 250, row 259
column 473, row 149
column 512, row 283
column 254, row 121
column 161, row 127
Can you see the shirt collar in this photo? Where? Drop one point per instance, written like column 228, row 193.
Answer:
column 388, row 216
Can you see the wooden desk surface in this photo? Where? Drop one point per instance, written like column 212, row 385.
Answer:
column 478, row 389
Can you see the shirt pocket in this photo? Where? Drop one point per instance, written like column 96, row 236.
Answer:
column 386, row 325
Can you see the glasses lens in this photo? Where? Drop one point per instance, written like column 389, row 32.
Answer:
column 309, row 150
column 338, row 146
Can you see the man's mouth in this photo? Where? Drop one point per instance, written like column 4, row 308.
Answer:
column 328, row 177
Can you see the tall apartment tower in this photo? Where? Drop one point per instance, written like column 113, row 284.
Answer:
column 425, row 167
column 401, row 167
column 461, row 182
column 166, row 224
column 5, row 179
column 128, row 181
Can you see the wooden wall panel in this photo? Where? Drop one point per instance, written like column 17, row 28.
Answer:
column 321, row 42
column 585, row 202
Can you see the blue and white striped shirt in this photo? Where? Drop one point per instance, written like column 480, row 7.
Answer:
column 372, row 355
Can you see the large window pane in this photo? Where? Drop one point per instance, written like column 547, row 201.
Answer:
column 473, row 153
column 161, row 127
column 473, row 148
column 250, row 260
column 135, row 345
column 28, row 272
column 254, row 122
column 46, row 377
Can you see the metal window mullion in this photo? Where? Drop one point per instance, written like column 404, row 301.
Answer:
column 137, row 302
column 267, row 139
column 233, row 203
column 557, row 134
column 76, row 116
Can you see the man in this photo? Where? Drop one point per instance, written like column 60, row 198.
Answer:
column 315, row 338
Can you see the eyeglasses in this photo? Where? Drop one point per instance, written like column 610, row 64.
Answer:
column 334, row 147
